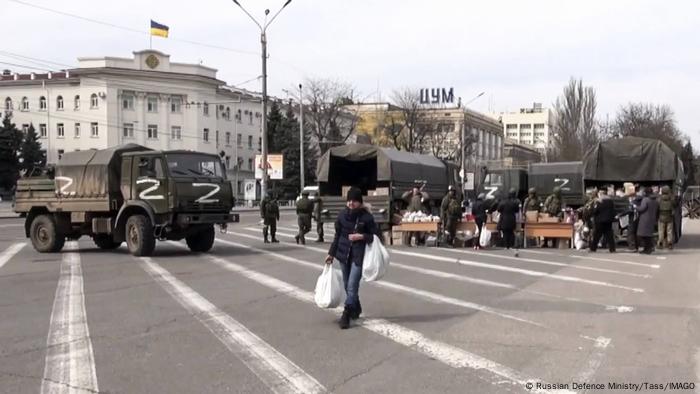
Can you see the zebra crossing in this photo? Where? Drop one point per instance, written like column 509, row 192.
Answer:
column 430, row 292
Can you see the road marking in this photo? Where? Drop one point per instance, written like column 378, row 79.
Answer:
column 576, row 256
column 275, row 370
column 518, row 270
column 425, row 295
column 10, row 252
column 498, row 375
column 477, row 281
column 594, row 362
column 70, row 362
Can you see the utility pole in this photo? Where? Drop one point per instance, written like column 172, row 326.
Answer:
column 462, row 140
column 301, row 136
column 263, row 42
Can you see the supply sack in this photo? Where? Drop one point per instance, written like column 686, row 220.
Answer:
column 329, row 286
column 485, row 238
column 376, row 261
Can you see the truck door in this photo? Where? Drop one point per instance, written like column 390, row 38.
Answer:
column 150, row 183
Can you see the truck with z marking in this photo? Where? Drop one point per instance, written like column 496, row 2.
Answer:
column 127, row 194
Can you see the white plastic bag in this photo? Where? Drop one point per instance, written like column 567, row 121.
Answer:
column 485, row 238
column 329, row 286
column 376, row 261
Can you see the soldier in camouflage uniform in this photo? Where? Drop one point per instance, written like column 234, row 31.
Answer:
column 532, row 201
column 305, row 208
column 552, row 206
column 667, row 205
column 318, row 214
column 450, row 214
column 270, row 213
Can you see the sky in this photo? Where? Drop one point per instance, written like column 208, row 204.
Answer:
column 516, row 52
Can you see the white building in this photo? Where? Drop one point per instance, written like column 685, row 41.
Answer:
column 147, row 100
column 531, row 126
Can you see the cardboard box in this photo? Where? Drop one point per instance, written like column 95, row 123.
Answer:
column 532, row 216
column 397, row 238
column 380, row 191
column 546, row 218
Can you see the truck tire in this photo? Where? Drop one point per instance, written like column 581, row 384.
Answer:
column 139, row 236
column 106, row 242
column 44, row 235
column 201, row 241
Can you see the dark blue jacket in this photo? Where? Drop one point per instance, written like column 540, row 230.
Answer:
column 349, row 221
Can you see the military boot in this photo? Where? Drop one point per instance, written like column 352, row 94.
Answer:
column 265, row 236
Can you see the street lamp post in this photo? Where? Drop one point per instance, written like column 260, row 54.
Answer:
column 462, row 142
column 263, row 42
column 301, row 136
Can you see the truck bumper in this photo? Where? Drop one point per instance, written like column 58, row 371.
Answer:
column 188, row 219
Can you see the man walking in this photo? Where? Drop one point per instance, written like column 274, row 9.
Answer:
column 507, row 222
column 604, row 216
column 479, row 211
column 648, row 212
column 666, row 207
column 318, row 214
column 305, row 209
column 451, row 214
column 270, row 213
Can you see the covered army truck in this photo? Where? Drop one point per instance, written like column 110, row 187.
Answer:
column 383, row 174
column 567, row 176
column 127, row 193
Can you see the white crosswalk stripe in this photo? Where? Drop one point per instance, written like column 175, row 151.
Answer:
column 10, row 252
column 70, row 362
column 275, row 370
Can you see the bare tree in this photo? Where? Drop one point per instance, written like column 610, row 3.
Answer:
column 390, row 127
column 576, row 128
column 330, row 122
column 408, row 100
column 649, row 121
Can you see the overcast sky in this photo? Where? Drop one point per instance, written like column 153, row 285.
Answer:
column 516, row 51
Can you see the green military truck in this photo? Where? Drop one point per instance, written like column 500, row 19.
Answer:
column 127, row 193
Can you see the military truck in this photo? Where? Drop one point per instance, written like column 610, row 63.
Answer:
column 127, row 193
column 383, row 174
column 568, row 176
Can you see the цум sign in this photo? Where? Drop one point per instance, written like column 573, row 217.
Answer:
column 437, row 96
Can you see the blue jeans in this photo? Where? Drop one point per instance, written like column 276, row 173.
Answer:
column 352, row 273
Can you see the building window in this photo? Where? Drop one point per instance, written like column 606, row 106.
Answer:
column 94, row 103
column 228, row 162
column 239, row 116
column 228, row 113
column 8, row 104
column 239, row 140
column 76, row 102
column 76, row 131
column 539, row 126
column 43, row 133
column 250, row 117
column 205, row 109
column 205, row 135
column 152, row 132
column 217, row 138
column 152, row 104
column 128, row 102
column 60, row 153
column 228, row 138
column 25, row 128
column 25, row 104
column 176, row 105
column 250, row 142
column 42, row 103
column 59, row 103
column 94, row 130
column 250, row 164
column 60, row 130
column 128, row 130
column 176, row 132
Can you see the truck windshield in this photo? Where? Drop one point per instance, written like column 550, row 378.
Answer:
column 192, row 164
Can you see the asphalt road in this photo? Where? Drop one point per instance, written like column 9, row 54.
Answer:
column 242, row 319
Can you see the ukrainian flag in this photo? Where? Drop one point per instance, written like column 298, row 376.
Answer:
column 159, row 30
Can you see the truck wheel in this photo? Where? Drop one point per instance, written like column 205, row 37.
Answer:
column 44, row 235
column 201, row 241
column 105, row 242
column 139, row 236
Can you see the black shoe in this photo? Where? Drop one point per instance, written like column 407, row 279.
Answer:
column 296, row 238
column 344, row 322
column 266, row 241
column 275, row 241
column 320, row 240
column 303, row 241
column 356, row 312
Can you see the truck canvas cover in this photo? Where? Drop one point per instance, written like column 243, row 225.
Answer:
column 91, row 173
column 568, row 176
column 632, row 159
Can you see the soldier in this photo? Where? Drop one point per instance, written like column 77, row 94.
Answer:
column 532, row 203
column 305, row 209
column 270, row 213
column 667, row 205
column 552, row 206
column 414, row 198
column 451, row 214
column 318, row 213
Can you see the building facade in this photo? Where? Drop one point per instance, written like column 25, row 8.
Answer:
column 147, row 100
column 530, row 126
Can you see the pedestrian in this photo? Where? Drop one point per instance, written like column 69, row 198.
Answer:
column 667, row 205
column 318, row 213
column 648, row 212
column 532, row 203
column 634, row 201
column 603, row 217
column 354, row 229
column 508, row 209
column 451, row 214
column 479, row 212
column 552, row 206
column 415, row 199
column 305, row 209
column 270, row 213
